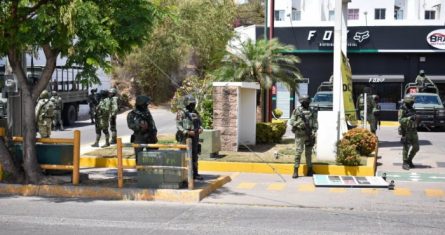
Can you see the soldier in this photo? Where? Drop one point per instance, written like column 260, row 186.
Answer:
column 188, row 123
column 141, row 122
column 102, row 119
column 304, row 125
column 44, row 114
column 57, row 101
column 376, row 111
column 422, row 80
column 408, row 130
column 92, row 103
column 370, row 108
column 114, row 109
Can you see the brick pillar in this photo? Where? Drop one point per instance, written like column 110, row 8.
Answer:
column 225, row 114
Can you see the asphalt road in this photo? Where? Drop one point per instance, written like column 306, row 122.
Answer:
column 164, row 119
column 55, row 216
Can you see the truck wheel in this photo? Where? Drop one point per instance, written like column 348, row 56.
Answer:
column 71, row 115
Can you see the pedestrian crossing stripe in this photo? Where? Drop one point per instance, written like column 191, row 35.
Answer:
column 306, row 188
column 402, row 192
column 246, row 185
column 434, row 192
column 276, row 186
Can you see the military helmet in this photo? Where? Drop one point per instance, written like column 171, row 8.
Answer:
column 367, row 90
column 44, row 95
column 142, row 100
column 421, row 71
column 408, row 99
column 189, row 99
column 93, row 90
column 305, row 98
column 113, row 91
column 53, row 93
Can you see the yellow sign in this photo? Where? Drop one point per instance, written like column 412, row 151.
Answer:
column 350, row 114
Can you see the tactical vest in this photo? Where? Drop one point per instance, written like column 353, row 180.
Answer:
column 361, row 102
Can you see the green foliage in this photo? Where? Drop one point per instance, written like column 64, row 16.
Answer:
column 262, row 62
column 188, row 41
column 207, row 113
column 277, row 113
column 347, row 153
column 267, row 132
column 363, row 139
column 251, row 13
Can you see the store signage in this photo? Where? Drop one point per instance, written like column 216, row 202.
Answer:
column 328, row 35
column 436, row 38
column 376, row 80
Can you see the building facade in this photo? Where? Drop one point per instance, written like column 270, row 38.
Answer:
column 389, row 41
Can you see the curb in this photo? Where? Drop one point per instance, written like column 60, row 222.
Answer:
column 104, row 193
column 267, row 168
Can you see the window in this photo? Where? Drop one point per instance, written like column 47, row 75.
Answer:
column 398, row 13
column 296, row 15
column 430, row 15
column 380, row 13
column 353, row 14
column 279, row 15
column 331, row 15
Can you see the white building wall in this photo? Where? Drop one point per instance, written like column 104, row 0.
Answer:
column 316, row 12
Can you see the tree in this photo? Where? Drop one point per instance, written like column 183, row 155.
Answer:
column 86, row 32
column 250, row 13
column 262, row 61
column 190, row 41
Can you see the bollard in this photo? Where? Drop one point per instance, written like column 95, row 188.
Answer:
column 191, row 182
column 120, row 169
column 76, row 157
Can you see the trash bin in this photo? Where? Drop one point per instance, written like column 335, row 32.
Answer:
column 173, row 178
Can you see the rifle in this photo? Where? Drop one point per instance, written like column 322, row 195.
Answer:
column 409, row 113
column 307, row 130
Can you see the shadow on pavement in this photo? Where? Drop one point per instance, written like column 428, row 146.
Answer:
column 388, row 144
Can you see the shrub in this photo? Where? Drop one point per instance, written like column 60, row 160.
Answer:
column 364, row 140
column 277, row 113
column 347, row 153
column 267, row 132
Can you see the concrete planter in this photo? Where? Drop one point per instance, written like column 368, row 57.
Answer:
column 211, row 142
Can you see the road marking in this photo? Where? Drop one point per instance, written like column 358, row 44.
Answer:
column 402, row 192
column 306, row 188
column 234, row 175
column 434, row 192
column 337, row 190
column 370, row 191
column 246, row 185
column 276, row 186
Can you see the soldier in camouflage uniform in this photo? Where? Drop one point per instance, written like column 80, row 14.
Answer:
column 114, row 109
column 102, row 119
column 408, row 130
column 57, row 100
column 93, row 101
column 188, row 123
column 422, row 81
column 141, row 122
column 370, row 108
column 304, row 124
column 44, row 114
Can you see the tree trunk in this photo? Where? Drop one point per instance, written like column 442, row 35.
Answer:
column 11, row 171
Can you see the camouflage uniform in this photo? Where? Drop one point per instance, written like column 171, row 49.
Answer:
column 102, row 119
column 408, row 130
column 93, row 101
column 44, row 114
column 57, row 100
column 141, row 122
column 305, row 132
column 370, row 108
column 188, row 123
column 422, row 81
column 114, row 110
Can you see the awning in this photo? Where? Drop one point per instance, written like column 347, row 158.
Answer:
column 436, row 78
column 378, row 78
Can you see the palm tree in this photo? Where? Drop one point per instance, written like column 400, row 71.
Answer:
column 262, row 61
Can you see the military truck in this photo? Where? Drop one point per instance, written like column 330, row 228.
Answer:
column 65, row 82
column 428, row 105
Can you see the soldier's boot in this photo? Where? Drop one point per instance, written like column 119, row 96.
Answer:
column 107, row 141
column 405, row 165
column 113, row 137
column 295, row 175
column 310, row 171
column 96, row 144
column 411, row 164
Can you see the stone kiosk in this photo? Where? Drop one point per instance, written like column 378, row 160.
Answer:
column 234, row 113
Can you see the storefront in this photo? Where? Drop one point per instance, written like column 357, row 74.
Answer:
column 385, row 58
